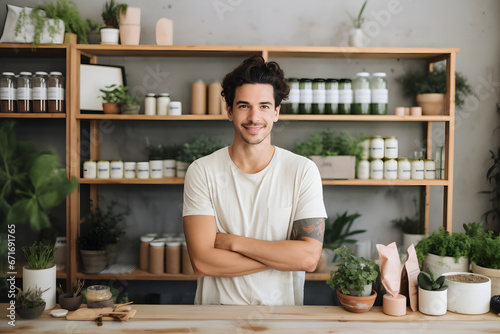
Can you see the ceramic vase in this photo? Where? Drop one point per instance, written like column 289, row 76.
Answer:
column 130, row 26
column 432, row 302
column 43, row 279
column 356, row 38
column 164, row 32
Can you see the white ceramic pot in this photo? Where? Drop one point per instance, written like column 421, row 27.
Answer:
column 110, row 36
column 43, row 278
column 432, row 302
column 444, row 264
column 492, row 274
column 156, row 169
column 169, row 167
column 181, row 168
column 468, row 298
column 411, row 239
column 357, row 38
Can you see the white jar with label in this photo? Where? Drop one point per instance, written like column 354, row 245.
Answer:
column 363, row 171
column 169, row 166
column 377, row 147
column 89, row 169
column 116, row 167
column 175, row 108
column 404, row 169
column 129, row 169
column 376, row 169
column 429, row 169
column 162, row 102
column 156, row 169
column 391, row 147
column 143, row 170
column 366, row 149
column 417, row 169
column 150, row 104
column 103, row 169
column 390, row 169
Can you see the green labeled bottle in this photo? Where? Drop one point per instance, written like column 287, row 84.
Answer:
column 345, row 96
column 291, row 105
column 306, row 96
column 319, row 96
column 332, row 96
column 362, row 94
column 380, row 94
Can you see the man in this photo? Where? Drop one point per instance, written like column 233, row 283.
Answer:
column 253, row 212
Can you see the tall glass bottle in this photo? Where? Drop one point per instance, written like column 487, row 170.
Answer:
column 56, row 93
column 40, row 92
column 362, row 94
column 332, row 96
column 24, row 93
column 380, row 94
column 345, row 96
column 319, row 96
column 306, row 96
column 8, row 92
column 291, row 105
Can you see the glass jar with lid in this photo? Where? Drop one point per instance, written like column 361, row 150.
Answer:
column 404, row 169
column 306, row 96
column 162, row 102
column 377, row 147
column 56, row 93
column 363, row 170
column 98, row 293
column 377, row 169
column 8, row 92
column 391, row 147
column 291, row 105
column 429, row 169
column 345, row 96
column 362, row 94
column 319, row 96
column 380, row 94
column 150, row 104
column 417, row 169
column 390, row 169
column 24, row 92
column 331, row 96
column 40, row 92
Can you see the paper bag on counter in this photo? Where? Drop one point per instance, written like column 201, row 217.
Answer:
column 393, row 303
column 409, row 284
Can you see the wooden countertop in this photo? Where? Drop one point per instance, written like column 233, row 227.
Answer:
column 263, row 319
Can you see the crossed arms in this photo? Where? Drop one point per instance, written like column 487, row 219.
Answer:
column 229, row 255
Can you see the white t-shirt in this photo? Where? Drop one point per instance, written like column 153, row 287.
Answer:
column 261, row 206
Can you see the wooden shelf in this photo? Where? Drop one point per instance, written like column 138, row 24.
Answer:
column 153, row 117
column 32, row 115
column 26, row 50
column 60, row 274
column 165, row 180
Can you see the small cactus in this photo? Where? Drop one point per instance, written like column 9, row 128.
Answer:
column 426, row 281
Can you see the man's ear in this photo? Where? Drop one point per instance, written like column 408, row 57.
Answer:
column 229, row 111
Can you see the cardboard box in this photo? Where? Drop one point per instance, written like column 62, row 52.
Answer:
column 341, row 167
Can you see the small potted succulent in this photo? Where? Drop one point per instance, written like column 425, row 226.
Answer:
column 110, row 14
column 432, row 294
column 29, row 303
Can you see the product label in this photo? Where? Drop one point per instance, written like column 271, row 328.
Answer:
column 380, row 95
column 7, row 93
column 332, row 96
column 294, row 96
column 55, row 93
column 362, row 96
column 24, row 93
column 39, row 93
column 306, row 96
column 319, row 96
column 345, row 96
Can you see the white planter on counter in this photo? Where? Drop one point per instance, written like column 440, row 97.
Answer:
column 468, row 298
column 432, row 302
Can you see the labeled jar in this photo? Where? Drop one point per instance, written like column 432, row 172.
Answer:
column 362, row 94
column 150, row 104
column 345, row 96
column 157, row 256
column 98, row 293
column 429, row 169
column 306, row 96
column 144, row 252
column 56, row 93
column 8, row 92
column 103, row 169
column 377, row 169
column 162, row 102
column 390, row 169
column 173, row 257
column 187, row 267
column 377, row 147
column 391, row 147
column 175, row 108
column 380, row 94
column 40, row 81
column 142, row 170
column 363, row 170
column 404, row 169
column 169, row 168
column 116, row 167
column 292, row 103
column 24, row 92
column 90, row 169
column 366, row 149
column 417, row 169
column 129, row 170
column 156, row 169
column 331, row 96
column 319, row 96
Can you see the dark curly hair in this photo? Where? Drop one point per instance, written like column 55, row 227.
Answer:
column 255, row 70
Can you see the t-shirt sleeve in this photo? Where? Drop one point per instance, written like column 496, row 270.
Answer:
column 196, row 193
column 310, row 203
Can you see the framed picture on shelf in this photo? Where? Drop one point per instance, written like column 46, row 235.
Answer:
column 96, row 77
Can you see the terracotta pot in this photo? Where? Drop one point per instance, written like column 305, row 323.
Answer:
column 493, row 274
column 110, row 108
column 68, row 302
column 31, row 313
column 432, row 104
column 357, row 304
column 130, row 26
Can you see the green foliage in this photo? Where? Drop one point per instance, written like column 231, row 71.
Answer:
column 30, row 298
column 426, row 281
column 485, row 251
column 492, row 216
column 39, row 255
column 359, row 20
column 170, row 152
column 100, row 228
column 111, row 13
column 327, row 143
column 441, row 243
column 199, row 148
column 92, row 25
column 352, row 274
column 411, row 225
column 119, row 94
column 414, row 83
column 31, row 183
column 339, row 232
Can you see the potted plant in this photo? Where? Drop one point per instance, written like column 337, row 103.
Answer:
column 99, row 234
column 353, row 281
column 72, row 300
column 189, row 152
column 335, row 155
column 468, row 293
column 117, row 99
column 431, row 294
column 128, row 104
column 170, row 153
column 40, row 271
column 442, row 252
column 111, row 15
column 29, row 303
column 93, row 31
column 356, row 36
column 492, row 216
column 430, row 89
column 413, row 228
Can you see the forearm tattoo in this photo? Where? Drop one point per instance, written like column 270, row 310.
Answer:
column 309, row 227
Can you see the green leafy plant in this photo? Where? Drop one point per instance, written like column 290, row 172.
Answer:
column 414, row 83
column 199, row 148
column 31, row 183
column 485, row 251
column 411, row 225
column 170, row 152
column 92, row 25
column 154, row 152
column 339, row 232
column 119, row 94
column 39, row 255
column 358, row 20
column 492, row 216
column 100, row 228
column 352, row 274
column 111, row 13
column 427, row 282
column 442, row 243
column 30, row 298
column 327, row 143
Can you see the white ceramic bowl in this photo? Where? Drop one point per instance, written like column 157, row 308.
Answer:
column 468, row 298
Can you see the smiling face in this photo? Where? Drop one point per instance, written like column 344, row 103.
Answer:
column 253, row 113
